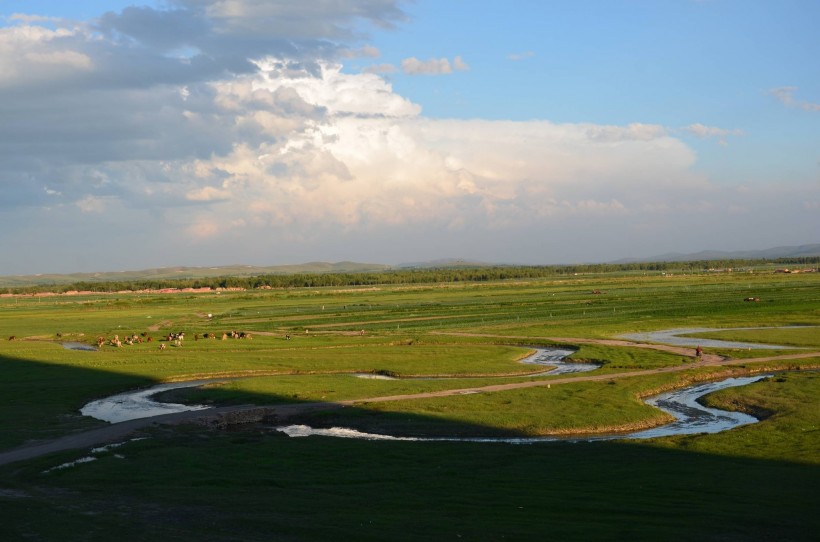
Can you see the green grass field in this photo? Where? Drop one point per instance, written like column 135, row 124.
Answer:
column 252, row 483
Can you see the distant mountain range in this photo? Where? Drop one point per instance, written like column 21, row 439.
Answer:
column 768, row 254
column 13, row 281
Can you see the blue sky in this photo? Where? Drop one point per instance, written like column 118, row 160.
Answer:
column 272, row 132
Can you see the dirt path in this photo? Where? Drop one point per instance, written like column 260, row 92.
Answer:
column 121, row 430
column 716, row 361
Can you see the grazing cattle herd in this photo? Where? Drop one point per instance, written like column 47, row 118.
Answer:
column 174, row 339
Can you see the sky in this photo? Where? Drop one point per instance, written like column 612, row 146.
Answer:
column 137, row 134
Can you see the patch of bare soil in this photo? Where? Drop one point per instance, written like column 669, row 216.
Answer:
column 156, row 327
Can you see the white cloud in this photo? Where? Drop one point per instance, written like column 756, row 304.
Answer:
column 367, row 51
column 433, row 66
column 520, row 56
column 91, row 204
column 381, row 68
column 299, row 20
column 60, row 58
column 335, row 91
column 208, row 193
column 786, row 96
column 703, row 131
column 202, row 230
column 287, row 153
column 27, row 18
column 34, row 54
column 371, row 160
column 460, row 65
column 335, row 151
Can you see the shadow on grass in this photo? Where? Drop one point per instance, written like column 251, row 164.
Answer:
column 191, row 483
column 41, row 400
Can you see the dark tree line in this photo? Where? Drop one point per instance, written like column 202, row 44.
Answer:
column 407, row 276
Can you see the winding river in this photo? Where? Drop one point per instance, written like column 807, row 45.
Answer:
column 133, row 405
column 691, row 417
column 676, row 337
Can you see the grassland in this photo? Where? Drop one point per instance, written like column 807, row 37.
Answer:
column 192, row 483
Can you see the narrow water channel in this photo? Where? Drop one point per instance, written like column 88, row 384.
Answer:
column 677, row 337
column 691, row 417
column 133, row 405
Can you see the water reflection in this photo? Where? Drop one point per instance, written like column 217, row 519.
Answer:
column 690, row 418
column 673, row 337
column 555, row 358
column 133, row 405
column 78, row 346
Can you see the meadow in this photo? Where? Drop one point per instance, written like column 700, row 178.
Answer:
column 253, row 483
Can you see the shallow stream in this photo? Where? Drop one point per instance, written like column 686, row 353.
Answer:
column 691, row 417
column 132, row 405
column 674, row 337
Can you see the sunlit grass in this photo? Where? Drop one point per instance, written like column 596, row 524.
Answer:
column 466, row 331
